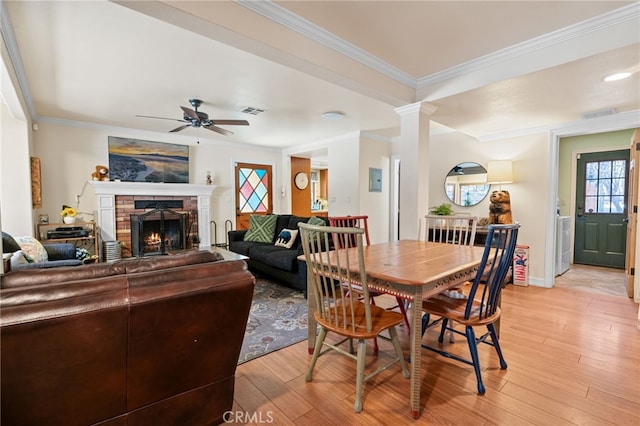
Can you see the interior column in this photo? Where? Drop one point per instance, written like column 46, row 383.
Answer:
column 414, row 167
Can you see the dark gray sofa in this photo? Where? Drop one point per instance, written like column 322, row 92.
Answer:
column 59, row 254
column 279, row 263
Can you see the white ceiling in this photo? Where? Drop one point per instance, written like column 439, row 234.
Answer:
column 489, row 67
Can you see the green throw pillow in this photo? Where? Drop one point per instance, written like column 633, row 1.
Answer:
column 315, row 220
column 261, row 228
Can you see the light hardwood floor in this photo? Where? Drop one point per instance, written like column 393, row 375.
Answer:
column 573, row 356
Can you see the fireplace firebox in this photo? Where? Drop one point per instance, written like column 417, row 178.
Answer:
column 157, row 231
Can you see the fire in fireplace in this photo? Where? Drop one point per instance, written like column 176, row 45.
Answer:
column 158, row 231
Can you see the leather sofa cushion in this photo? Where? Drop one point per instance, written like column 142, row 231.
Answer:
column 146, row 264
column 278, row 257
column 63, row 274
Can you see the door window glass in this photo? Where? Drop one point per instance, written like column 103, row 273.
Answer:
column 605, row 186
column 253, row 190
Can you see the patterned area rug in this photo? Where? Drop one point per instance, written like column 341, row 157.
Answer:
column 278, row 318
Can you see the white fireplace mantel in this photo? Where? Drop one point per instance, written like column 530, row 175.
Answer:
column 148, row 188
column 106, row 199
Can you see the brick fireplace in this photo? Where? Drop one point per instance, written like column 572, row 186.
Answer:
column 126, row 206
column 116, row 202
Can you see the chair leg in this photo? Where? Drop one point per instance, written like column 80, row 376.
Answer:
column 443, row 329
column 375, row 339
column 316, row 353
column 425, row 322
column 403, row 310
column 445, row 323
column 362, row 353
column 393, row 333
column 496, row 344
column 473, row 348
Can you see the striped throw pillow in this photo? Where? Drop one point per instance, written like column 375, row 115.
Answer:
column 261, row 228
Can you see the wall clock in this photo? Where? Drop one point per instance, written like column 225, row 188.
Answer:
column 301, row 180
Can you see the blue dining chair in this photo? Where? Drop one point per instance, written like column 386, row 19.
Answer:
column 480, row 307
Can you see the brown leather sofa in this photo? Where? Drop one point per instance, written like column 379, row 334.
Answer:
column 134, row 342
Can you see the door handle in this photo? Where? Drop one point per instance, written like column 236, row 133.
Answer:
column 626, row 219
column 579, row 215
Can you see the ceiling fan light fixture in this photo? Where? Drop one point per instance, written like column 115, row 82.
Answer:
column 617, row 76
column 333, row 115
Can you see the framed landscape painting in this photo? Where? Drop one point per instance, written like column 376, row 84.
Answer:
column 134, row 160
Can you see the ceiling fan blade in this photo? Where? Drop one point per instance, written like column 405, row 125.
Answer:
column 177, row 129
column 190, row 113
column 232, row 122
column 219, row 130
column 161, row 118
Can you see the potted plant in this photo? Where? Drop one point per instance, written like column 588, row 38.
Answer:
column 443, row 209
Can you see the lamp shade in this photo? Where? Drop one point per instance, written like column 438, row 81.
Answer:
column 500, row 172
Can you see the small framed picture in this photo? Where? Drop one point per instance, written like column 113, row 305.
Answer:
column 44, row 219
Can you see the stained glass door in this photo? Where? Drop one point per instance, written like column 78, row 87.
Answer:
column 253, row 192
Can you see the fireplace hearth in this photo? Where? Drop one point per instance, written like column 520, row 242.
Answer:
column 157, row 232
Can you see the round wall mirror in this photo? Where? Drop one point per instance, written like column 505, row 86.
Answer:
column 466, row 184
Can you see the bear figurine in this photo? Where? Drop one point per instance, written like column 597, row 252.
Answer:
column 101, row 173
column 500, row 207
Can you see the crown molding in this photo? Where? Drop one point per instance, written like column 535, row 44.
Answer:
column 9, row 37
column 422, row 107
column 609, row 123
column 624, row 14
column 296, row 23
column 282, row 16
column 128, row 131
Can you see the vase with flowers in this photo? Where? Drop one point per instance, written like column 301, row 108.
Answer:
column 68, row 214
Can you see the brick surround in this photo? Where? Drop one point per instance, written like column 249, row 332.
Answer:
column 115, row 225
column 125, row 208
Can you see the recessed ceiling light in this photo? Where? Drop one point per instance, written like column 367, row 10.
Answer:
column 617, row 76
column 333, row 115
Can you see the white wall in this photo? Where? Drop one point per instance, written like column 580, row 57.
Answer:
column 344, row 176
column 69, row 156
column 529, row 195
column 375, row 154
column 15, row 175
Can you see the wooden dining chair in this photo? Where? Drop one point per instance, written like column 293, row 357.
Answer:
column 362, row 222
column 481, row 306
column 352, row 318
column 454, row 229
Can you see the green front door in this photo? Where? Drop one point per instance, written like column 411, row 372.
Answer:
column 601, row 208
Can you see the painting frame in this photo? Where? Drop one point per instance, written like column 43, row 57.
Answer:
column 137, row 160
column 36, row 183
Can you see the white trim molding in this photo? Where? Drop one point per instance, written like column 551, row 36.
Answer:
column 106, row 199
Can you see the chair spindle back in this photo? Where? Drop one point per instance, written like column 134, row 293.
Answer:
column 496, row 261
column 330, row 271
column 459, row 230
column 351, row 222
